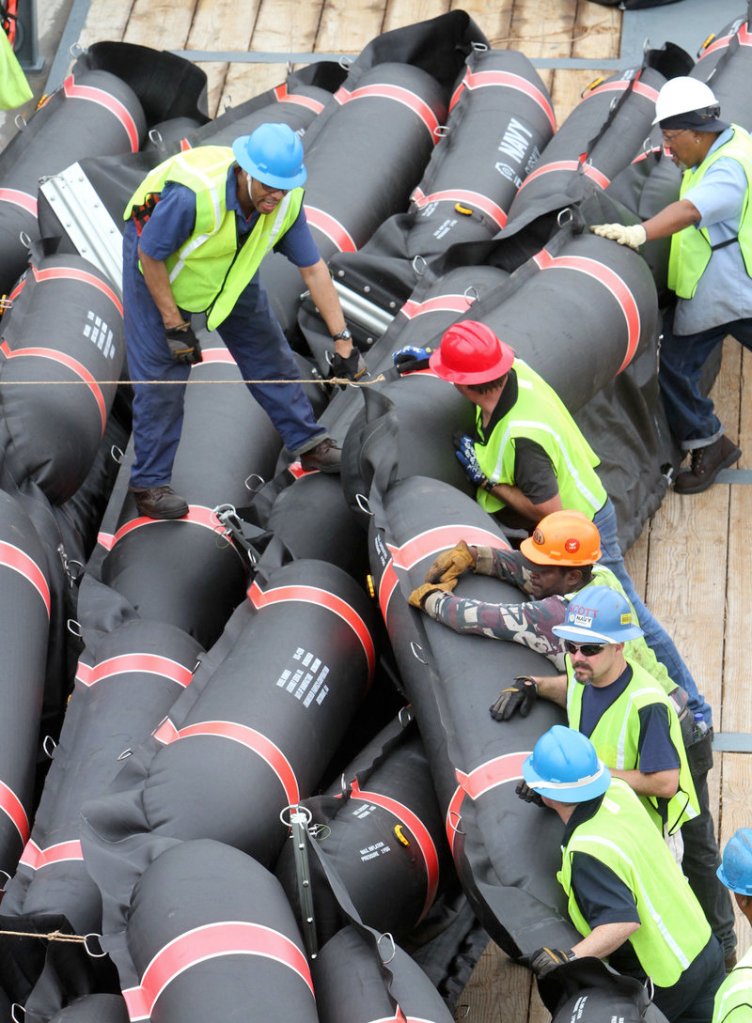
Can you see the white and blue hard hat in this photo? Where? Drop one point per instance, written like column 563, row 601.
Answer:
column 564, row 766
column 598, row 614
column 273, row 155
column 735, row 870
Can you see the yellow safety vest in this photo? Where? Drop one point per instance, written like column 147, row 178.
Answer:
column 735, row 994
column 209, row 272
column 673, row 929
column 541, row 416
column 616, row 738
column 691, row 248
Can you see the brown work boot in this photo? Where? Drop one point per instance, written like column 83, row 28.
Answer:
column 326, row 457
column 705, row 465
column 160, row 503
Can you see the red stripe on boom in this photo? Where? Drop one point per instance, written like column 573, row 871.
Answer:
column 321, row 598
column 480, row 780
column 421, row 833
column 12, row 807
column 69, row 273
column 35, row 857
column 70, row 363
column 17, row 198
column 256, row 742
column 398, row 94
column 211, row 941
column 743, row 35
column 462, row 195
column 646, row 91
column 439, row 304
column 331, row 227
column 507, row 80
column 104, row 99
column 198, row 515
column 568, row 166
column 612, row 282
column 283, row 96
column 440, row 538
column 16, row 560
column 149, row 664
column 388, row 584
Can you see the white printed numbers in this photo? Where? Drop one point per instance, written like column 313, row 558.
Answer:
column 98, row 332
column 305, row 682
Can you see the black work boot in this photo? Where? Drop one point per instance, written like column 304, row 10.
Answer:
column 326, row 457
column 705, row 465
column 160, row 502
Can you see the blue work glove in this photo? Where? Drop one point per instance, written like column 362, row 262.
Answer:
column 410, row 358
column 465, row 452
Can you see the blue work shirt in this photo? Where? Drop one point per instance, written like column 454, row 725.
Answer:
column 724, row 292
column 174, row 218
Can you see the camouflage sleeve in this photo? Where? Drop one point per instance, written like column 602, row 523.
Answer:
column 530, row 624
column 503, row 564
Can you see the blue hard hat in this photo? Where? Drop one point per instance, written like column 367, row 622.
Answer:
column 273, row 155
column 564, row 766
column 736, row 867
column 598, row 614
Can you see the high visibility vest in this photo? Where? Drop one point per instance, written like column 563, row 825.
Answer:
column 209, row 271
column 735, row 993
column 616, row 738
column 673, row 929
column 541, row 416
column 691, row 248
column 635, row 650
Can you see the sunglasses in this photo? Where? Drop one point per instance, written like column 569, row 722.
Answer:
column 669, row 136
column 587, row 649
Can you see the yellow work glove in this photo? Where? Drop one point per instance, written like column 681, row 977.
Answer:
column 633, row 236
column 418, row 597
column 451, row 564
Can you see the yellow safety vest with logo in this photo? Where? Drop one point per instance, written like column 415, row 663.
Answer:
column 616, row 738
column 540, row 415
column 673, row 929
column 691, row 248
column 209, row 271
column 733, row 1000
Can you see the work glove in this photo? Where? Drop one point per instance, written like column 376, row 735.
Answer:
column 465, row 452
column 418, row 597
column 528, row 795
column 451, row 564
column 543, row 960
column 183, row 344
column 518, row 695
column 633, row 236
column 410, row 358
column 353, row 366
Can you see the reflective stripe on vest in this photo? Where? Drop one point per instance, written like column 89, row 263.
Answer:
column 209, row 272
column 691, row 248
column 673, row 929
column 616, row 738
column 735, row 992
column 539, row 415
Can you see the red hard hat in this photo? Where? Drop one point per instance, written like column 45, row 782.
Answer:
column 470, row 353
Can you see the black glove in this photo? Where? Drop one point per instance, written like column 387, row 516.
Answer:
column 527, row 794
column 183, row 344
column 543, row 960
column 517, row 695
column 353, row 367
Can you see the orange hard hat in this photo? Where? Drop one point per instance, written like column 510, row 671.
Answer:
column 563, row 538
column 470, row 353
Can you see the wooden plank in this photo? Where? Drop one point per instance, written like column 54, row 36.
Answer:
column 736, row 713
column 636, row 561
column 347, row 25
column 408, row 12
column 161, row 24
column 244, row 81
column 737, row 784
column 495, row 20
column 105, row 21
column 229, row 26
column 497, row 992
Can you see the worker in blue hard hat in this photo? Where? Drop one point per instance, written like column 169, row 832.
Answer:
column 198, row 228
column 733, row 1002
column 625, row 893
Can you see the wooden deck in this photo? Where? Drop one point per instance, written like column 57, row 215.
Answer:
column 692, row 561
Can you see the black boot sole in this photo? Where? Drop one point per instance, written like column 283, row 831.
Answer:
column 699, row 488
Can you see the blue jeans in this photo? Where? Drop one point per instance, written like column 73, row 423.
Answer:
column 656, row 636
column 690, row 414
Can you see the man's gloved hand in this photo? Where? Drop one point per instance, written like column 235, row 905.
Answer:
column 418, row 597
column 183, row 344
column 410, row 358
column 465, row 452
column 517, row 695
column 543, row 960
column 451, row 564
column 633, row 236
column 528, row 795
column 353, row 366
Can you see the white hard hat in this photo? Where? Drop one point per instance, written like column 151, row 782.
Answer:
column 685, row 95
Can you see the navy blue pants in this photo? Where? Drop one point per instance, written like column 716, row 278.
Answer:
column 256, row 342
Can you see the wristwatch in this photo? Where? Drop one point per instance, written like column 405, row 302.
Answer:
column 344, row 335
